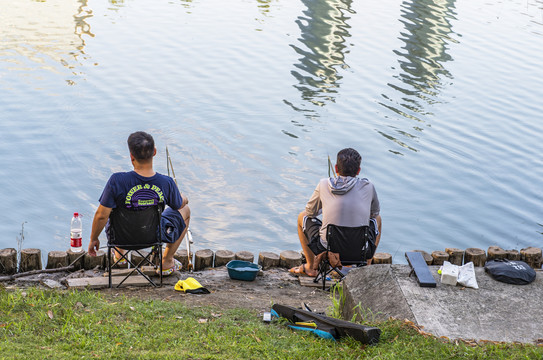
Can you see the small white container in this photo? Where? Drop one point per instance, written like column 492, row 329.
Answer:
column 449, row 273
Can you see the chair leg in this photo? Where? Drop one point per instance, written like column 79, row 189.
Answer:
column 318, row 276
column 148, row 259
column 324, row 273
column 156, row 252
column 321, row 275
column 109, row 266
column 160, row 263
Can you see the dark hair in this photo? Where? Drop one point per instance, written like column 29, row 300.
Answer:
column 348, row 162
column 141, row 145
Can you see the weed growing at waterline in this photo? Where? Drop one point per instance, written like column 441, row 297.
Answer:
column 20, row 241
column 338, row 300
column 39, row 324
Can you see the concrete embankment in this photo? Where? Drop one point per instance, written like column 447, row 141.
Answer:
column 496, row 311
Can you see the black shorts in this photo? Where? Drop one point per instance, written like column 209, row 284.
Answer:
column 311, row 227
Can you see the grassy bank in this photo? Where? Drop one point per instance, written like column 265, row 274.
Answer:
column 41, row 324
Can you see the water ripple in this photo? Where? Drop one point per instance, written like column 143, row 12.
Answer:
column 252, row 96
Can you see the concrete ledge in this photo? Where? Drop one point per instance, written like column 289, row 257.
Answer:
column 496, row 311
column 375, row 287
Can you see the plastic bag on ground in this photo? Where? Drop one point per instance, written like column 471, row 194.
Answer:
column 466, row 276
column 511, row 272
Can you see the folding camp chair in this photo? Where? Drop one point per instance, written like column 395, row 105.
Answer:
column 355, row 245
column 135, row 230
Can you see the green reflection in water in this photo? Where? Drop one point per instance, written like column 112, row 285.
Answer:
column 324, row 29
column 264, row 7
column 421, row 59
column 187, row 4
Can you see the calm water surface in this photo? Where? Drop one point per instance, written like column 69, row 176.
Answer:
column 442, row 98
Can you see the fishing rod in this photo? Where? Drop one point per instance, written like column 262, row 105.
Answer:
column 331, row 168
column 188, row 235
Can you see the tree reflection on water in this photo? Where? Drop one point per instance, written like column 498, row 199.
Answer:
column 415, row 89
column 421, row 59
column 324, row 29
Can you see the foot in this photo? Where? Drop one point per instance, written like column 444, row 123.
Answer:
column 116, row 257
column 166, row 264
column 169, row 270
column 302, row 271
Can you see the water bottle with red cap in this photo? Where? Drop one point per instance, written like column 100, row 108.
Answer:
column 76, row 229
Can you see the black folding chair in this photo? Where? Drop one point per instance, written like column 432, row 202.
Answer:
column 355, row 245
column 135, row 230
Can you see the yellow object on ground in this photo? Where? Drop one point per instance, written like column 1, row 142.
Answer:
column 191, row 286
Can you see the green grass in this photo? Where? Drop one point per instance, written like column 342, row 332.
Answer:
column 47, row 324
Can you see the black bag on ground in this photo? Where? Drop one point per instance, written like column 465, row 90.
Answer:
column 338, row 328
column 511, row 272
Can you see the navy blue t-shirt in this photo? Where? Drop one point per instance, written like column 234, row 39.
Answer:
column 133, row 191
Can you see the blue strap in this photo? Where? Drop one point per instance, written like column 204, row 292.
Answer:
column 319, row 333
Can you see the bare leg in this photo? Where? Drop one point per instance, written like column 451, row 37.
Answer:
column 378, row 237
column 169, row 251
column 117, row 252
column 309, row 256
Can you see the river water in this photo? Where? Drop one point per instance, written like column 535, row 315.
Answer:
column 442, row 98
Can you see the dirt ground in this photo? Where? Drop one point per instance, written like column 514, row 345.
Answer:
column 273, row 286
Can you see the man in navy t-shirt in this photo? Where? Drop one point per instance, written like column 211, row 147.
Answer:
column 141, row 188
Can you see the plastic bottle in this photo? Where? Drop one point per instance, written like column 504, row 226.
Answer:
column 76, row 228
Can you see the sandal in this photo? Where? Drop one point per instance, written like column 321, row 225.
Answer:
column 176, row 267
column 116, row 260
column 300, row 271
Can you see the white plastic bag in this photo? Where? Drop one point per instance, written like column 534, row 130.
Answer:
column 466, row 276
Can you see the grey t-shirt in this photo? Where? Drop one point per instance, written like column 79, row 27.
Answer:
column 344, row 201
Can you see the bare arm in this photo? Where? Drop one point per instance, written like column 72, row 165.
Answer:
column 378, row 237
column 98, row 224
column 314, row 204
column 185, row 201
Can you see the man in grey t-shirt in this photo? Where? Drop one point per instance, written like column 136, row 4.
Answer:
column 344, row 201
